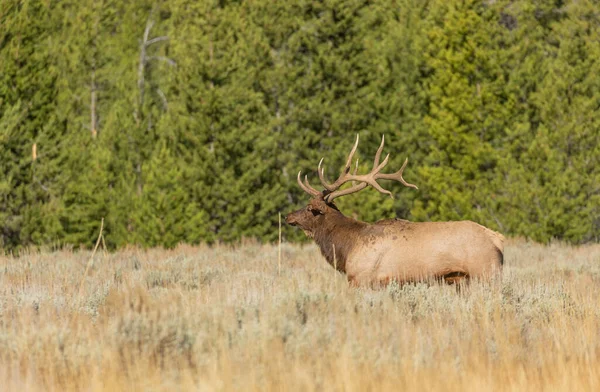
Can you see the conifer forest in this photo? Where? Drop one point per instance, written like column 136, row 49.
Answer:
column 188, row 121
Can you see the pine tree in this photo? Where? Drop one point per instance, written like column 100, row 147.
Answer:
column 188, row 121
column 558, row 155
column 467, row 112
column 238, row 183
column 31, row 165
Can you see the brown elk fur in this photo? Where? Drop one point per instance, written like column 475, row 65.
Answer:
column 400, row 250
column 393, row 249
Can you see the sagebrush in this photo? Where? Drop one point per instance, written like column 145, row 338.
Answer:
column 222, row 318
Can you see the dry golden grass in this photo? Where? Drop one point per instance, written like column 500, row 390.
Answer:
column 200, row 318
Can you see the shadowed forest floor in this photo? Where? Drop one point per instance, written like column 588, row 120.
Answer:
column 222, row 318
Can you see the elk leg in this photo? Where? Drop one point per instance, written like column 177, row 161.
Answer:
column 455, row 277
column 354, row 283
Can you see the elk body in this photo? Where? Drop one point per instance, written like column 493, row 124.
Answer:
column 393, row 249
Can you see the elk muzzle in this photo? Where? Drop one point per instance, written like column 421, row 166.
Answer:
column 292, row 218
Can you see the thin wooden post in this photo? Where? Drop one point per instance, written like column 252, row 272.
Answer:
column 279, row 249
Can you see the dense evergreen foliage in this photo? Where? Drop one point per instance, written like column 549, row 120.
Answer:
column 188, row 120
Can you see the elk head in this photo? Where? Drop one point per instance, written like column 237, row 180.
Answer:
column 321, row 208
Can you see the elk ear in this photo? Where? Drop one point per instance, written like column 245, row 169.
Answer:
column 316, row 209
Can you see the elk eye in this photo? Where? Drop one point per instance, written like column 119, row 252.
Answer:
column 315, row 212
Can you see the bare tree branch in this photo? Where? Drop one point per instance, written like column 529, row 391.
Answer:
column 163, row 58
column 157, row 39
column 93, row 99
column 141, row 67
column 144, row 59
column 163, row 98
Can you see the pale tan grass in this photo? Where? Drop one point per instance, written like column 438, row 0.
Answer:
column 224, row 318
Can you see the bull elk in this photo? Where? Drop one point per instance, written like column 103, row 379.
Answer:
column 393, row 249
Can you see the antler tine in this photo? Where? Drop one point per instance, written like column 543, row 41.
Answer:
column 349, row 160
column 398, row 176
column 347, row 191
column 347, row 167
column 379, row 150
column 355, row 171
column 306, row 187
column 310, row 186
column 321, row 172
column 367, row 179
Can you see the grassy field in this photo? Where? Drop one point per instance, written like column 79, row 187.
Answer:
column 222, row 318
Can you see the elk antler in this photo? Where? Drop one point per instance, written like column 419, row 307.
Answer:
column 362, row 180
column 306, row 187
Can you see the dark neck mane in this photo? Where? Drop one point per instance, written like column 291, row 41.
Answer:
column 340, row 233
